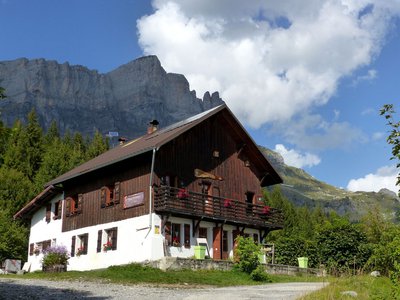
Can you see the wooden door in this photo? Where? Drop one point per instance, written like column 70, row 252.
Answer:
column 217, row 243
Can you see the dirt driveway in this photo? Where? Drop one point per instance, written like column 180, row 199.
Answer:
column 11, row 288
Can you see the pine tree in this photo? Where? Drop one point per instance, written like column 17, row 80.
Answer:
column 34, row 141
column 98, row 146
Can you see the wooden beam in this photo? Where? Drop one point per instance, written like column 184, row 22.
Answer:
column 195, row 226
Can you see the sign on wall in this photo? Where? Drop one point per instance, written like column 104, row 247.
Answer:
column 134, row 200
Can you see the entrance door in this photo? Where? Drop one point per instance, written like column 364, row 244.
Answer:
column 249, row 203
column 225, row 252
column 217, row 239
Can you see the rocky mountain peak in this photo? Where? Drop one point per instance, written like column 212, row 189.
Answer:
column 83, row 100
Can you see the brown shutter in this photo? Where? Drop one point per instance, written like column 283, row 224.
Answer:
column 99, row 236
column 186, row 235
column 116, row 192
column 68, row 206
column 31, row 247
column 103, row 196
column 114, row 234
column 59, row 204
column 80, row 201
column 48, row 212
column 168, row 236
column 73, row 246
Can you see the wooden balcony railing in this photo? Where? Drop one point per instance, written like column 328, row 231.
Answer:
column 185, row 203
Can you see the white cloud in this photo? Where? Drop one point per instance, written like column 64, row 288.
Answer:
column 295, row 158
column 378, row 135
column 371, row 75
column 270, row 60
column 312, row 132
column 385, row 177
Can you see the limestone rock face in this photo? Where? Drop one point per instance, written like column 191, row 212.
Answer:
column 79, row 99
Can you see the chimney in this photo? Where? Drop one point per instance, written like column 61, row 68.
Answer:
column 152, row 126
column 122, row 140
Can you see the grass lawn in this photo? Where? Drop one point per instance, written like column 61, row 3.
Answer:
column 367, row 287
column 137, row 274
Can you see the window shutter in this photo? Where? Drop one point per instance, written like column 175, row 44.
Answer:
column 186, row 236
column 68, row 206
column 59, row 204
column 48, row 212
column 99, row 236
column 80, row 201
column 168, row 236
column 85, row 238
column 116, row 192
column 114, row 234
column 31, row 247
column 103, row 196
column 73, row 246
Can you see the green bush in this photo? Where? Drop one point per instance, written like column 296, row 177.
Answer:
column 259, row 274
column 247, row 254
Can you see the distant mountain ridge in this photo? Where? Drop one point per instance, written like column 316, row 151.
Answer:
column 304, row 190
column 123, row 100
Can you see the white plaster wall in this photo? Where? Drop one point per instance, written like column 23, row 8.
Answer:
column 41, row 231
column 136, row 241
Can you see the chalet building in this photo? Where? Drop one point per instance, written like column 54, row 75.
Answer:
column 157, row 196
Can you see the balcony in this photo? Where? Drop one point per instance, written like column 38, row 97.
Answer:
column 183, row 203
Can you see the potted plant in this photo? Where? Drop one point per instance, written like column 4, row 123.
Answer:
column 183, row 193
column 266, row 210
column 107, row 246
column 227, row 203
column 55, row 259
column 80, row 251
column 176, row 242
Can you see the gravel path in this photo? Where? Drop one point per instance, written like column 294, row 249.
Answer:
column 48, row 290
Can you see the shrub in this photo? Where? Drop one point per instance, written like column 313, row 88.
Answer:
column 247, row 254
column 56, row 255
column 259, row 274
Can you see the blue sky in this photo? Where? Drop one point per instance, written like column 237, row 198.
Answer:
column 306, row 79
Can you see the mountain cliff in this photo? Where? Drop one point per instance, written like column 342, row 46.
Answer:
column 79, row 99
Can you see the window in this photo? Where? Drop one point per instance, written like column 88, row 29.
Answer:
column 176, row 235
column 111, row 238
column 110, row 195
column 203, row 232
column 173, row 234
column 255, row 238
column 31, row 248
column 83, row 244
column 57, row 210
column 48, row 212
column 46, row 244
column 186, row 232
column 74, row 205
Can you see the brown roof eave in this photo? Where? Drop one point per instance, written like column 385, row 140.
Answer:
column 30, row 208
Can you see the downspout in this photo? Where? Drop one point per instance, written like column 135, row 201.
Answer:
column 151, row 191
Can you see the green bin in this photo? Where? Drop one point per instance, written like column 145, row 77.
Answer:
column 303, row 262
column 199, row 252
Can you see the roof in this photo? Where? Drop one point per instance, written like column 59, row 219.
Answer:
column 152, row 141
column 36, row 202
